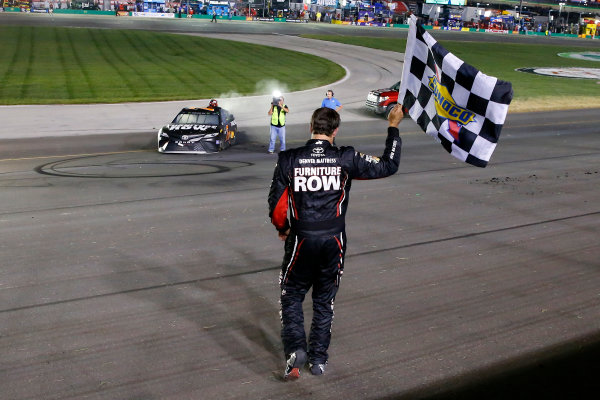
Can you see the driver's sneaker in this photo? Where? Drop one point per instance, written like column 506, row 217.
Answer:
column 292, row 367
column 317, row 369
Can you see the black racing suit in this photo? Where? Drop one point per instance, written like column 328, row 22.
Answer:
column 313, row 183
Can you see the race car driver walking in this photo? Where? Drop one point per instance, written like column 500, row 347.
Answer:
column 313, row 182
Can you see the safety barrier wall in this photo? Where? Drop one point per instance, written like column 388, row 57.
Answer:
column 219, row 17
column 243, row 18
column 429, row 27
column 90, row 12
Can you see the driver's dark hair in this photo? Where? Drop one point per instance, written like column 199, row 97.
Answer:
column 324, row 121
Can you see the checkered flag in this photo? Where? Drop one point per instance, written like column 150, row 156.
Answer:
column 451, row 100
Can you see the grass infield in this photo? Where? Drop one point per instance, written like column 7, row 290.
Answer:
column 531, row 92
column 47, row 65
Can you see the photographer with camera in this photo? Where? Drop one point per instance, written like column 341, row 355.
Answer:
column 277, row 112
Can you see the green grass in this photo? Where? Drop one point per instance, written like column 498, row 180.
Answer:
column 501, row 59
column 47, row 65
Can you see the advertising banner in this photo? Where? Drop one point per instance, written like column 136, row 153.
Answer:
column 332, row 3
column 447, row 2
column 153, row 14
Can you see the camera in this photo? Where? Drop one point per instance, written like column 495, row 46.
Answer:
column 276, row 97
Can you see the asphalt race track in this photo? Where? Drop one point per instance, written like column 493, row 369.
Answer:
column 128, row 274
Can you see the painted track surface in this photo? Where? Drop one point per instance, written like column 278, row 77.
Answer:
column 129, row 274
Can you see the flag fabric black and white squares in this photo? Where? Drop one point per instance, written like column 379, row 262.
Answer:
column 452, row 100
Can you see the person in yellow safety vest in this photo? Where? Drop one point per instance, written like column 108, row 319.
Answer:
column 278, row 112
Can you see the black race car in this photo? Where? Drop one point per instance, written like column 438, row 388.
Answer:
column 199, row 131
